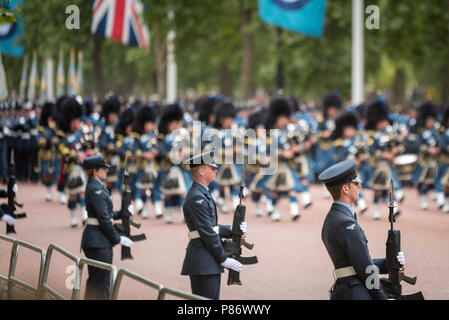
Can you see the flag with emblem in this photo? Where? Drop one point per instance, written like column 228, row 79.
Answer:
column 60, row 78
column 33, row 82
column 121, row 21
column 304, row 16
column 10, row 32
column 3, row 83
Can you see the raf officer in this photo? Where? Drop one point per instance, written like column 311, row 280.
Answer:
column 205, row 256
column 99, row 236
column 345, row 240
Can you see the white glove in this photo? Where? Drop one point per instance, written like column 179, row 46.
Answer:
column 401, row 258
column 232, row 264
column 243, row 227
column 15, row 188
column 126, row 242
column 8, row 219
column 131, row 209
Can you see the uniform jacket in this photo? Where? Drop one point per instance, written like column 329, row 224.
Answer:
column 346, row 244
column 204, row 254
column 99, row 206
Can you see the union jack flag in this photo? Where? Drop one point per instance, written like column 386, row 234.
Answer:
column 120, row 20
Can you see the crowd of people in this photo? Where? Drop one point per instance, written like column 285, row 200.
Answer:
column 48, row 142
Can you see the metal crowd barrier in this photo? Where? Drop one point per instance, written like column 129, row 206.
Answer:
column 98, row 264
column 43, row 289
column 46, row 289
column 15, row 282
column 179, row 294
column 135, row 276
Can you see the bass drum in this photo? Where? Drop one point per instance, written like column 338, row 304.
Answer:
column 405, row 165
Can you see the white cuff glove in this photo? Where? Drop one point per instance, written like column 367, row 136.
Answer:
column 15, row 188
column 131, row 209
column 126, row 242
column 8, row 219
column 401, row 258
column 232, row 264
column 243, row 227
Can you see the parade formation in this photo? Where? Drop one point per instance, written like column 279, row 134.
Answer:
column 64, row 145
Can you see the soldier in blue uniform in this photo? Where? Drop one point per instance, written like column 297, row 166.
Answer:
column 73, row 152
column 143, row 128
column 348, row 145
column 46, row 142
column 106, row 141
column 332, row 103
column 384, row 144
column 205, row 256
column 345, row 240
column 123, row 130
column 174, row 177
column 100, row 235
column 3, row 142
column 442, row 182
column 426, row 171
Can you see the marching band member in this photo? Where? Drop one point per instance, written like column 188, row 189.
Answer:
column 106, row 140
column 383, row 146
column 73, row 151
column 426, row 171
column 47, row 143
column 174, row 175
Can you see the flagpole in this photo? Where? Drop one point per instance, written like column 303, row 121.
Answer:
column 357, row 92
column 171, row 64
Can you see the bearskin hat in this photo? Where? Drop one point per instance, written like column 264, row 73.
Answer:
column 126, row 118
column 445, row 115
column 278, row 107
column 222, row 111
column 332, row 99
column 171, row 112
column 70, row 109
column 346, row 119
column 111, row 105
column 427, row 110
column 48, row 110
column 144, row 114
column 88, row 108
column 294, row 103
column 376, row 111
column 256, row 119
column 204, row 106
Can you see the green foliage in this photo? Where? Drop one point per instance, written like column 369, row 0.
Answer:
column 412, row 37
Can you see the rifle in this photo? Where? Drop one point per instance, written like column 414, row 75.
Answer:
column 124, row 228
column 10, row 207
column 392, row 285
column 233, row 247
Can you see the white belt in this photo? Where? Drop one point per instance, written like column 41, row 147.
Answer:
column 195, row 234
column 94, row 221
column 344, row 272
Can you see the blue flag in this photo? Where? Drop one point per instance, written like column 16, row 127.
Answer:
column 304, row 16
column 9, row 33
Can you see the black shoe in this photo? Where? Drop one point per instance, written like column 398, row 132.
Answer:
column 294, row 218
column 308, row 205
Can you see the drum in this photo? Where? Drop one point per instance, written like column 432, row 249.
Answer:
column 405, row 165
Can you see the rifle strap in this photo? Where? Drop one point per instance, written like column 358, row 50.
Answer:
column 195, row 234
